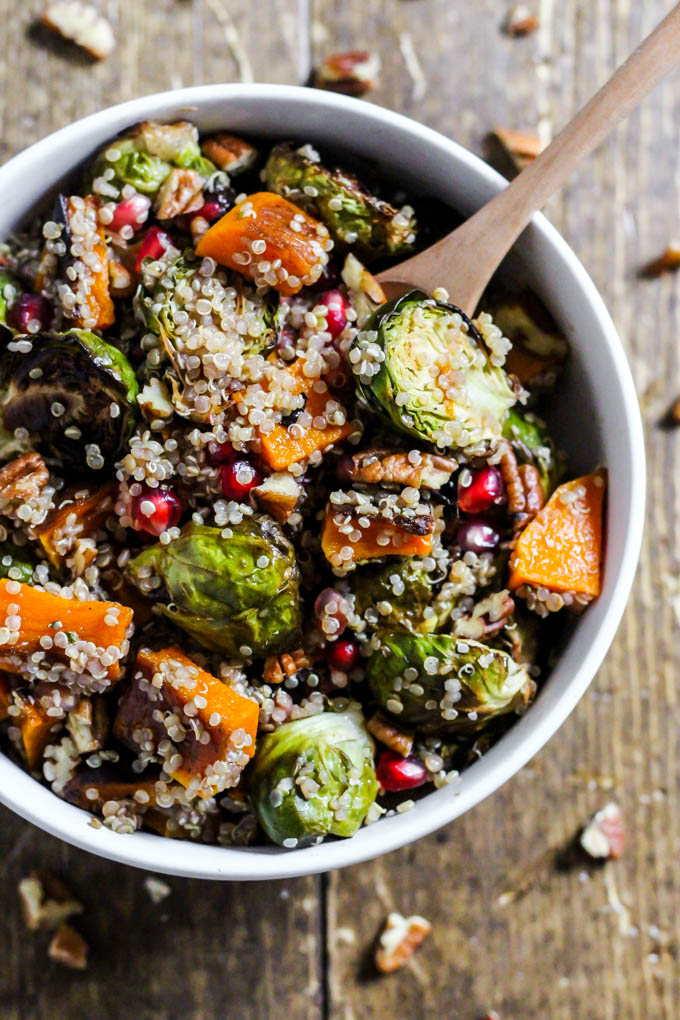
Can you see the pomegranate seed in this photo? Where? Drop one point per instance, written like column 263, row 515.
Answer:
column 484, row 488
column 477, row 536
column 337, row 306
column 131, row 212
column 156, row 510
column 330, row 278
column 217, row 454
column 238, row 478
column 211, row 211
column 344, row 468
column 30, row 313
column 331, row 609
column 396, row 773
column 156, row 241
column 343, row 654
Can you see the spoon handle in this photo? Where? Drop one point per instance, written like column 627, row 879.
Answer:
column 490, row 233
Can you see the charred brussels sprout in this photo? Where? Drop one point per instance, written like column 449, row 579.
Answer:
column 352, row 214
column 411, row 591
column 314, row 777
column 533, row 445
column 443, row 684
column 424, row 367
column 236, row 594
column 145, row 157
column 62, row 392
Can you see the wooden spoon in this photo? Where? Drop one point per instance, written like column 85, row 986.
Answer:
column 465, row 260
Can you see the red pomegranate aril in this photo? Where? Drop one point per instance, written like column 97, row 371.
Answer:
column 217, row 454
column 29, row 313
column 156, row 510
column 336, row 317
column 477, row 536
column 343, row 654
column 238, row 478
column 484, row 488
column 131, row 212
column 155, row 243
column 212, row 211
column 396, row 773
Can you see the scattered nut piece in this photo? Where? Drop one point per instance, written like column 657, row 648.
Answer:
column 353, row 73
column 155, row 401
column 69, row 947
column 673, row 413
column 45, row 901
column 157, row 889
column 180, row 193
column 279, row 667
column 22, row 479
column 667, row 262
column 229, row 152
column 278, row 495
column 82, row 24
column 377, row 466
column 400, row 938
column 520, row 147
column 400, row 741
column 121, row 281
column 604, row 835
column 492, row 1015
column 520, row 21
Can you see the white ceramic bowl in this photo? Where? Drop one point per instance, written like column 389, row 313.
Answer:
column 596, row 418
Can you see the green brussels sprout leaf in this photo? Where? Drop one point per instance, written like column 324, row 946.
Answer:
column 409, row 588
column 533, row 445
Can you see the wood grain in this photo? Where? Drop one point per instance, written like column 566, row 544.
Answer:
column 511, row 930
column 514, row 928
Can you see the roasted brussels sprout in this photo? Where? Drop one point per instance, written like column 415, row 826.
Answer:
column 314, row 777
column 539, row 351
column 145, row 157
column 9, row 291
column 423, row 366
column 63, row 390
column 403, row 595
column 352, row 214
column 237, row 594
column 442, row 684
column 533, row 445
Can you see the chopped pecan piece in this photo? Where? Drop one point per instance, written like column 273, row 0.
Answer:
column 604, row 835
column 388, row 734
column 420, row 470
column 69, row 947
column 45, row 901
column 520, row 147
column 83, row 25
column 667, row 262
column 277, row 495
column 279, row 667
column 181, row 192
column 22, row 479
column 488, row 617
column 88, row 724
column 399, row 940
column 512, row 481
column 353, row 73
column 534, row 497
column 121, row 281
column 230, row 153
column 520, row 21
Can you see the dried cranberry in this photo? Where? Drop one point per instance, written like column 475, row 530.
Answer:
column 484, row 488
column 238, row 478
column 131, row 212
column 156, row 510
column 154, row 244
column 337, row 305
column 343, row 654
column 30, row 313
column 477, row 536
column 396, row 773
column 217, row 454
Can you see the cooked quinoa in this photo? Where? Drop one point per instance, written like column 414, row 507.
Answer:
column 274, row 552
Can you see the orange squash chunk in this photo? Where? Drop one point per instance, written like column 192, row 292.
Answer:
column 229, row 710
column 40, row 610
column 266, row 219
column 378, row 539
column 97, row 304
column 78, row 518
column 561, row 549
column 280, row 448
column 36, row 732
column 5, row 697
column 108, row 786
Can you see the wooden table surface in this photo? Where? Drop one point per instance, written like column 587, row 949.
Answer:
column 512, row 929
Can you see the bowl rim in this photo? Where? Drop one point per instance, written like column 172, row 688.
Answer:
column 37, row 804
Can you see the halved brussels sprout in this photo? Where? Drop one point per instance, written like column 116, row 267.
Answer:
column 145, row 157
column 533, row 445
column 442, row 684
column 424, row 367
column 352, row 214
column 236, row 593
column 402, row 595
column 74, row 394
column 314, row 777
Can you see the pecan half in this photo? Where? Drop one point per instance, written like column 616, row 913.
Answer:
column 353, row 73
column 181, row 192
column 533, row 490
column 399, row 940
column 373, row 467
column 23, row 479
column 229, row 152
column 82, row 24
column 520, row 147
column 512, row 480
column 277, row 668
column 388, row 734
